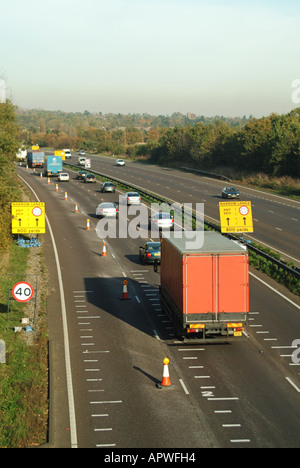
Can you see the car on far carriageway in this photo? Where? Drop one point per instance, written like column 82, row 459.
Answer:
column 106, row 210
column 230, row 192
column 108, row 187
column 120, row 162
column 150, row 252
column 90, row 178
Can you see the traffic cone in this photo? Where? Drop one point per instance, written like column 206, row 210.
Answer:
column 166, row 382
column 76, row 208
column 66, row 196
column 41, row 175
column 56, row 187
column 125, row 291
column 88, row 227
column 104, row 254
column 48, row 181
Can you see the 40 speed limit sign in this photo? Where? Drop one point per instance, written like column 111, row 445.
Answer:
column 22, row 292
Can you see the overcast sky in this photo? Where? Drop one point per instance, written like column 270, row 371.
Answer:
column 208, row 57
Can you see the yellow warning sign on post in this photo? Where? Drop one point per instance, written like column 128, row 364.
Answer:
column 236, row 216
column 28, row 218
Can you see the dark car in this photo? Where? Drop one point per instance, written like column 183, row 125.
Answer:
column 150, row 252
column 230, row 192
column 81, row 175
column 90, row 178
column 108, row 187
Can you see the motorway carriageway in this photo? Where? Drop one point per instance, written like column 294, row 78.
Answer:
column 245, row 394
column 276, row 218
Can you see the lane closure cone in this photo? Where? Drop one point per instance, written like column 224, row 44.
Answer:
column 125, row 292
column 88, row 226
column 76, row 208
column 166, row 382
column 104, row 253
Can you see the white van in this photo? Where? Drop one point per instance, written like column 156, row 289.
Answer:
column 81, row 161
column 67, row 153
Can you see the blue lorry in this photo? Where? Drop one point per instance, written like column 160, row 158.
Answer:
column 53, row 166
column 35, row 158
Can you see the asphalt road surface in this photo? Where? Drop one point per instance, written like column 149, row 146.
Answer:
column 107, row 354
column 276, row 218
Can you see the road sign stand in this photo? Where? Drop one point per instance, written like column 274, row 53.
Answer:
column 236, row 217
column 20, row 292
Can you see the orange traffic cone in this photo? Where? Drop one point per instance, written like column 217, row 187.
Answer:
column 76, row 208
column 104, row 254
column 66, row 196
column 166, row 382
column 56, row 188
column 88, row 227
column 125, row 291
column 48, row 180
column 41, row 175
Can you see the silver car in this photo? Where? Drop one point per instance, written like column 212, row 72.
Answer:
column 161, row 221
column 120, row 162
column 106, row 209
column 132, row 198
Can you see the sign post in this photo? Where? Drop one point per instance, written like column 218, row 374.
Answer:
column 28, row 218
column 236, row 217
column 22, row 292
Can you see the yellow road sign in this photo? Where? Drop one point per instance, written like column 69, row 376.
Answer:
column 236, row 216
column 28, row 218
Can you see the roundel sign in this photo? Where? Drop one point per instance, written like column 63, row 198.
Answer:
column 22, row 292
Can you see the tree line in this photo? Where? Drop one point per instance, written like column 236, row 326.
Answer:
column 270, row 145
column 10, row 185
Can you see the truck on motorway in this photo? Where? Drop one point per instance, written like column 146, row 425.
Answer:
column 35, row 158
column 53, row 166
column 21, row 155
column 205, row 289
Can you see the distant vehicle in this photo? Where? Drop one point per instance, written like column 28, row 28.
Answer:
column 120, row 162
column 35, row 158
column 230, row 192
column 63, row 177
column 150, row 252
column 106, row 210
column 132, row 198
column 108, row 187
column 161, row 221
column 81, row 153
column 21, row 154
column 81, row 175
column 81, row 161
column 68, row 154
column 90, row 178
column 53, row 166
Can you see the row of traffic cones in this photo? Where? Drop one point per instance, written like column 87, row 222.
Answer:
column 88, row 224
column 166, row 382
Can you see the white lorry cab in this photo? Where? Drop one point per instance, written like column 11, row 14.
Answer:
column 67, row 153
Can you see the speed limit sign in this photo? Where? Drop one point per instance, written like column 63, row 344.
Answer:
column 22, row 292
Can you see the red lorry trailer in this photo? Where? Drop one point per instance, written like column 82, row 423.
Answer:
column 205, row 288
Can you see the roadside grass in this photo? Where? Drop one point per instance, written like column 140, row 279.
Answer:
column 24, row 377
column 286, row 186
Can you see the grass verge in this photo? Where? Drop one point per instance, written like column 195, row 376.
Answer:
column 24, row 376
